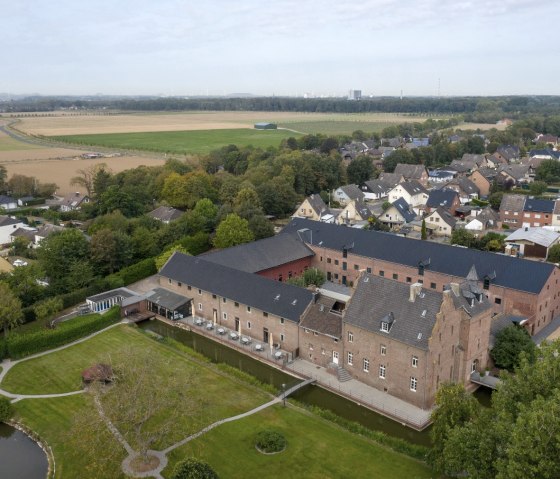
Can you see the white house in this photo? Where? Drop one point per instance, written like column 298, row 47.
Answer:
column 8, row 203
column 7, row 226
column 346, row 194
column 410, row 191
column 441, row 222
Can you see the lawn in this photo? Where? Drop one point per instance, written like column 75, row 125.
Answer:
column 338, row 127
column 7, row 143
column 182, row 142
column 316, row 449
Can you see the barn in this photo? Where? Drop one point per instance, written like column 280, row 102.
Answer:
column 266, row 126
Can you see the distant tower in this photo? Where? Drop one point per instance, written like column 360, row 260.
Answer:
column 401, row 94
column 355, row 95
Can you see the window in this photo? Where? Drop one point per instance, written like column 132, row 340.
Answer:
column 382, row 371
column 395, row 276
column 344, row 266
column 170, row 282
column 336, row 276
column 199, row 291
column 420, row 270
column 356, row 267
column 350, row 337
column 368, row 270
column 281, row 320
column 336, row 262
column 265, row 314
column 433, row 285
column 383, row 350
column 366, row 365
column 345, row 253
column 236, row 304
column 282, row 337
column 498, row 300
column 328, row 261
column 381, row 273
column 213, row 296
column 384, row 327
column 486, row 284
column 189, row 288
column 414, row 361
column 408, row 279
column 200, row 306
column 350, row 358
column 248, row 309
column 179, row 284
column 248, row 324
column 413, row 384
column 224, row 300
column 224, row 315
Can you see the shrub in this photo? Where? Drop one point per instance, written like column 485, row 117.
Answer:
column 25, row 344
column 270, row 440
column 134, row 272
column 193, row 468
column 6, row 409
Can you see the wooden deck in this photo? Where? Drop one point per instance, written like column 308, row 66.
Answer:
column 138, row 317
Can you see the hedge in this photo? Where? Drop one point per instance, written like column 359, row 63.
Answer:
column 134, row 272
column 26, row 344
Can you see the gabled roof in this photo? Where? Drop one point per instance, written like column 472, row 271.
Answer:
column 488, row 214
column 273, row 297
column 378, row 300
column 514, row 273
column 377, row 186
column 6, row 200
column 410, row 171
column 508, row 151
column 392, row 179
column 73, row 200
column 512, row 203
column 441, row 198
column 465, row 185
column 538, row 236
column 260, row 255
column 445, row 216
column 321, row 319
column 488, row 173
column 515, row 171
column 413, row 187
column 165, row 213
column 25, row 233
column 540, row 206
column 363, row 210
column 8, row 221
column 48, row 229
column 473, row 158
column 405, row 210
column 441, row 173
column 353, row 192
column 318, row 205
column 546, row 152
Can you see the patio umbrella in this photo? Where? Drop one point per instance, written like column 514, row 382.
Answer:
column 270, row 342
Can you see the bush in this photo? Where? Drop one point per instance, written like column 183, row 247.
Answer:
column 6, row 409
column 270, row 440
column 25, row 344
column 193, row 468
column 134, row 272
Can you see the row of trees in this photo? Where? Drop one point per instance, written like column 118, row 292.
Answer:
column 21, row 185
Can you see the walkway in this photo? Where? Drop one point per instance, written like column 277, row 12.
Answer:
column 489, row 381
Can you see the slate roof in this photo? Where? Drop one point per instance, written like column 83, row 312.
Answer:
column 274, row 297
column 545, row 152
column 318, row 205
column 474, row 158
column 392, row 179
column 165, row 213
column 508, row 151
column 260, row 255
column 353, row 192
column 319, row 318
column 445, row 216
column 517, row 172
column 538, row 236
column 73, row 200
column 25, row 233
column 410, row 171
column 7, row 221
column 462, row 166
column 167, row 299
column 48, row 229
column 379, row 299
column 6, row 200
column 466, row 186
column 512, row 203
column 405, row 210
column 540, row 206
column 413, row 187
column 441, row 174
column 378, row 187
column 514, row 273
column 363, row 210
column 441, row 198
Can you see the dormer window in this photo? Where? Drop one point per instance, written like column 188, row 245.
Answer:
column 344, row 253
column 384, row 327
column 421, row 269
column 486, row 284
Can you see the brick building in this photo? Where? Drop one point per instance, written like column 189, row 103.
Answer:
column 519, row 211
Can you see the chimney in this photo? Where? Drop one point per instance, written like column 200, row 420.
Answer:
column 455, row 288
column 414, row 291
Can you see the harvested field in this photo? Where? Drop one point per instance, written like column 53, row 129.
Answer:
column 481, row 126
column 64, row 123
column 62, row 171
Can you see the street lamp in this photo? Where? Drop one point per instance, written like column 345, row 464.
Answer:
column 284, row 394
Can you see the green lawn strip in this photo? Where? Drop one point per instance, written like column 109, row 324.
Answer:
column 10, row 144
column 337, row 127
column 316, row 449
column 181, row 142
column 51, row 419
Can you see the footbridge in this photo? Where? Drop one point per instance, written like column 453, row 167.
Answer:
column 293, row 389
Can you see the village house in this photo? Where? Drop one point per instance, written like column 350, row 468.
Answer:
column 441, row 176
column 399, row 213
column 440, row 222
column 483, row 179
column 550, row 140
column 375, row 189
column 313, row 208
column 466, row 189
column 73, row 202
column 556, row 215
column 9, row 225
column 8, row 203
column 522, row 211
column 346, row 194
column 531, row 242
column 509, row 152
column 411, row 191
column 392, row 179
column 495, row 161
column 445, row 198
column 514, row 175
column 546, row 154
column 482, row 220
column 413, row 172
column 165, row 214
column 355, row 212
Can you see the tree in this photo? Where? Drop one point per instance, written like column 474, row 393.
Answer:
column 424, row 233
column 86, row 177
column 554, row 254
column 549, row 171
column 193, row 468
column 10, row 311
column 23, row 281
column 312, row 276
column 463, row 237
column 360, row 170
column 110, row 250
column 495, row 199
column 260, row 226
column 510, row 342
column 175, row 190
column 163, row 257
column 6, row 409
column 3, row 178
column 386, row 205
column 232, row 231
column 537, row 188
column 21, row 185
column 20, row 246
column 48, row 308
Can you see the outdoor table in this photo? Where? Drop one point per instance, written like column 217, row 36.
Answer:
column 245, row 340
column 277, row 354
column 233, row 336
column 258, row 347
column 209, row 326
column 221, row 330
column 198, row 322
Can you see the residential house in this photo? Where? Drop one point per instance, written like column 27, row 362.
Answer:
column 413, row 172
column 417, row 143
column 556, row 214
column 550, row 140
column 392, row 179
column 375, row 189
column 522, row 211
column 509, row 152
column 514, row 175
column 165, row 214
column 532, row 242
column 441, row 176
column 465, row 188
column 399, row 213
column 482, row 220
column 495, row 160
column 483, row 179
column 468, row 163
column 45, row 231
column 346, row 194
column 25, row 200
column 25, row 232
column 445, row 198
column 73, row 201
column 440, row 222
column 8, row 225
column 7, row 203
column 392, row 142
column 411, row 191
column 406, row 340
column 546, row 154
column 355, row 212
column 313, row 207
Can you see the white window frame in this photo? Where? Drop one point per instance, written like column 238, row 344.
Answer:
column 383, row 350
column 350, row 337
column 413, row 384
column 382, row 371
column 414, row 361
column 384, row 327
column 200, row 306
column 349, row 358
column 366, row 365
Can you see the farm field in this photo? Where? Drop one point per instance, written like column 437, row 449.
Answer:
column 64, row 123
column 182, row 142
column 229, row 448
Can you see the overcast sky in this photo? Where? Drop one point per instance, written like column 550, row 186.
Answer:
column 282, row 47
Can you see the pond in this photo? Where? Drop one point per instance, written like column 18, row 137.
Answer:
column 312, row 395
column 20, row 457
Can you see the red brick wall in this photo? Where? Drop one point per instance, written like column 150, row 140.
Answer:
column 287, row 270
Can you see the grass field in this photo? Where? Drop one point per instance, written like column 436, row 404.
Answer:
column 8, row 143
column 337, row 127
column 182, row 142
column 316, row 448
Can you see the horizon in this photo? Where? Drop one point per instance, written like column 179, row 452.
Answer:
column 288, row 49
